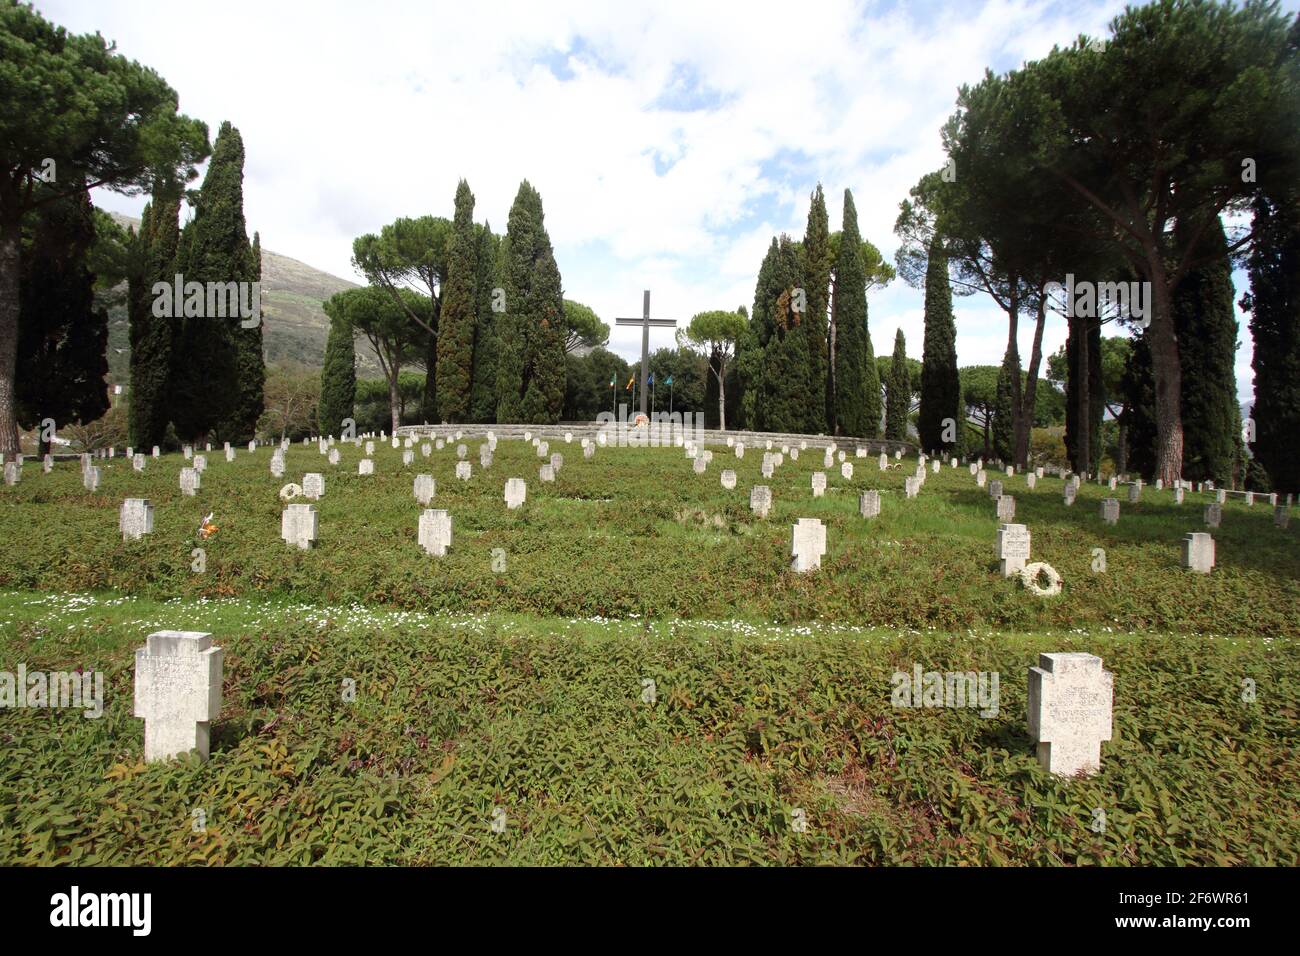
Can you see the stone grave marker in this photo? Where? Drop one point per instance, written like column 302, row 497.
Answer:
column 1013, row 543
column 807, row 544
column 408, row 457
column 516, row 492
column 365, row 467
column 699, row 465
column 869, row 504
column 1071, row 492
column 464, row 470
column 313, row 485
column 191, row 481
column 547, row 473
column 980, row 478
column 1213, row 514
column 425, row 488
column 995, row 489
column 177, row 692
column 1006, row 507
column 299, row 526
column 729, row 479
column 1110, row 510
column 911, row 487
column 1070, row 699
column 200, row 463
column 760, row 500
column 435, row 532
column 818, row 484
column 333, row 456
column 1198, row 552
column 135, row 520
column 90, row 478
column 846, row 470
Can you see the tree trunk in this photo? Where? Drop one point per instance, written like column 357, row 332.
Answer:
column 1121, row 453
column 10, row 276
column 394, row 400
column 832, row 425
column 1082, row 398
column 1163, row 340
column 722, row 396
column 1025, row 422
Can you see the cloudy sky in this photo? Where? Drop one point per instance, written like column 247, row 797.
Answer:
column 670, row 141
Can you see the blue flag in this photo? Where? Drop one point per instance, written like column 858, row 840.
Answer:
column 668, row 380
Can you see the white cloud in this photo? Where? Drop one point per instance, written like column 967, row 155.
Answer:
column 354, row 114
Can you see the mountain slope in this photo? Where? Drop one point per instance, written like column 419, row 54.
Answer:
column 293, row 294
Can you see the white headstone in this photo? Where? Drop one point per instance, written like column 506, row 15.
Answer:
column 547, row 473
column 808, row 544
column 435, row 531
column 1006, row 508
column 699, row 465
column 408, row 456
column 729, row 479
column 90, row 478
column 1070, row 699
column 1012, row 548
column 1198, row 552
column 200, row 463
column 333, row 456
column 191, row 481
column 1110, row 510
column 869, row 504
column 760, row 500
column 299, row 525
column 1213, row 514
column 995, row 489
column 846, row 471
column 1071, row 492
column 980, row 477
column 740, row 449
column 365, row 467
column 516, row 492
column 135, row 519
column 1031, row 481
column 313, row 485
column 463, row 470
column 177, row 692
column 818, row 484
column 425, row 488
column 911, row 487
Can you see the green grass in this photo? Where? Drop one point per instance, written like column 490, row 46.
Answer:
column 456, row 715
column 635, row 532
column 523, row 690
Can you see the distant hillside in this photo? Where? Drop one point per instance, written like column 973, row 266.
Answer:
column 296, row 326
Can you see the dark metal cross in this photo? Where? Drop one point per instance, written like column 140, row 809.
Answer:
column 646, row 322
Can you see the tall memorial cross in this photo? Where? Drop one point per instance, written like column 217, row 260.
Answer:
column 646, row 322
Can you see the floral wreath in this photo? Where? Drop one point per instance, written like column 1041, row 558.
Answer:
column 1029, row 578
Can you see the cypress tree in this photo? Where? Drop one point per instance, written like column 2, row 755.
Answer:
column 213, row 247
column 530, row 352
column 338, row 377
column 455, row 354
column 250, row 364
column 816, row 283
column 1207, row 345
column 1140, row 389
column 1274, row 303
column 898, row 392
column 857, row 382
column 483, row 387
column 940, row 385
column 62, row 337
column 154, row 254
column 782, row 405
column 1004, row 435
